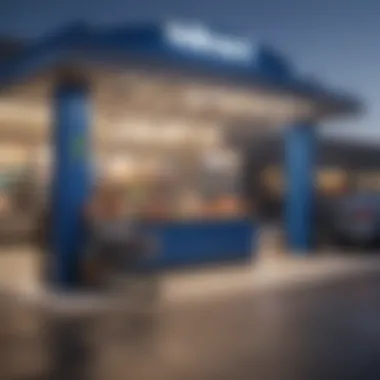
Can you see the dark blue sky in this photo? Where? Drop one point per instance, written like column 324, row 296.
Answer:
column 335, row 40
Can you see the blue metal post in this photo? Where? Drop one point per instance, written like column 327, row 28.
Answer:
column 71, row 179
column 299, row 165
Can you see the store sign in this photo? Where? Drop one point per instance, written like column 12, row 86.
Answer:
column 200, row 40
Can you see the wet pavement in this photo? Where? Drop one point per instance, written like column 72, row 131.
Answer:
column 329, row 331
column 320, row 331
column 325, row 331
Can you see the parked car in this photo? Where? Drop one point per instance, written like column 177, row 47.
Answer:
column 352, row 220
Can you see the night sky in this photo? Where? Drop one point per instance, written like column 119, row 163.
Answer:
column 336, row 41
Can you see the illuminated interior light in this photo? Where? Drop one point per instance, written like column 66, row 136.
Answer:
column 13, row 154
column 173, row 114
column 16, row 111
column 123, row 166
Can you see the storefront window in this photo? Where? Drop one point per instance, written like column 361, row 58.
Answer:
column 328, row 181
column 273, row 181
column 331, row 181
column 368, row 181
column 192, row 183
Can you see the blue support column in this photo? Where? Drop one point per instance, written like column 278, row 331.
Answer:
column 299, row 165
column 71, row 179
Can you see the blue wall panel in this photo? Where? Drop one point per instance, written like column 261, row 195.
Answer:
column 188, row 243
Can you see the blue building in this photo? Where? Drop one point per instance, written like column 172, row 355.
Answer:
column 85, row 78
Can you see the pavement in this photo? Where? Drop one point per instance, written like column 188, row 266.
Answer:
column 294, row 318
column 20, row 269
column 273, row 273
column 314, row 332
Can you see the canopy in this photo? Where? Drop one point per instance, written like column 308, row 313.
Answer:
column 200, row 71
